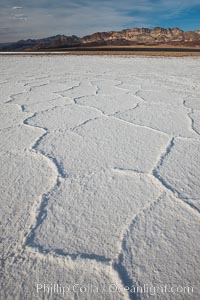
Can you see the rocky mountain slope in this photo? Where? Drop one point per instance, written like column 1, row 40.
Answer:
column 144, row 36
column 134, row 36
column 50, row 42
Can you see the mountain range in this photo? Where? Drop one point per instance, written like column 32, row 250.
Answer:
column 126, row 37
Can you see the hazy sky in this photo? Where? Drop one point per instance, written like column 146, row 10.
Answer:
column 22, row 19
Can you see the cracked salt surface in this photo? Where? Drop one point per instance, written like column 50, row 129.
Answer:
column 162, row 246
column 109, row 104
column 10, row 116
column 195, row 116
column 186, row 181
column 99, row 175
column 103, row 143
column 171, row 120
column 193, row 103
column 107, row 204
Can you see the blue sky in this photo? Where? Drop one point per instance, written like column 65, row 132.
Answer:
column 22, row 19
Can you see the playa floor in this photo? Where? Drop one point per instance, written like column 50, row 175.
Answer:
column 100, row 168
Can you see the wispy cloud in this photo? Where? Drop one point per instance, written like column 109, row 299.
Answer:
column 48, row 17
column 17, row 7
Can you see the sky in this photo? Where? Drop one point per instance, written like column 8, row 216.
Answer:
column 23, row 19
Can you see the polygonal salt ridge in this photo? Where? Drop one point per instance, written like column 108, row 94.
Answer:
column 87, row 216
column 109, row 104
column 161, row 96
column 43, row 93
column 28, row 175
column 109, row 87
column 10, row 89
column 47, row 96
column 8, row 108
column 180, row 171
column 84, row 88
column 63, row 118
column 170, row 120
column 10, row 116
column 33, row 97
column 195, row 117
column 34, row 83
column 130, row 87
column 57, row 87
column 161, row 239
column 46, row 105
column 192, row 102
column 19, row 138
column 84, row 279
column 102, row 143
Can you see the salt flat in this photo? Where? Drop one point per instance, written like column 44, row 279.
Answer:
column 100, row 167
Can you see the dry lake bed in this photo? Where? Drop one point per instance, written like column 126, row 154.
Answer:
column 100, row 177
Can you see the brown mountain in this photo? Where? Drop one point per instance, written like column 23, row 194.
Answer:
column 57, row 41
column 144, row 36
column 134, row 36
